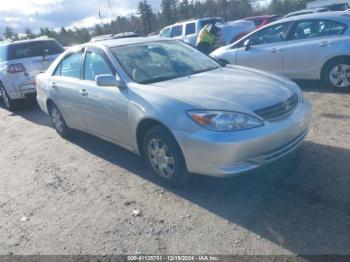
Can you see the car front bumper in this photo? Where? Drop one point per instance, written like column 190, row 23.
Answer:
column 224, row 154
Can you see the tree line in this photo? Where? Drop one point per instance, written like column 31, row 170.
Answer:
column 147, row 20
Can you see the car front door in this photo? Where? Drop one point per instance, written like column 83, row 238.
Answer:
column 309, row 44
column 65, row 85
column 106, row 106
column 265, row 50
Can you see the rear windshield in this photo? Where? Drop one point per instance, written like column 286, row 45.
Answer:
column 30, row 49
column 212, row 21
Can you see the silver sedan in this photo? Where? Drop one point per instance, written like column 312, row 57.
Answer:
column 314, row 46
column 178, row 108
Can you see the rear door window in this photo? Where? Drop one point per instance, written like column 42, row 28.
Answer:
column 190, row 29
column 310, row 29
column 33, row 49
column 336, row 28
column 176, row 31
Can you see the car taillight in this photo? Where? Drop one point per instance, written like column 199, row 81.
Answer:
column 15, row 68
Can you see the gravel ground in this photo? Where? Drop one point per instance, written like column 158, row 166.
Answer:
column 78, row 196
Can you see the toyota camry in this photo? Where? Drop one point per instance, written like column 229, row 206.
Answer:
column 178, row 108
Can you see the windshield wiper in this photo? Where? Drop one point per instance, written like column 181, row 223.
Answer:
column 165, row 78
column 205, row 70
column 158, row 79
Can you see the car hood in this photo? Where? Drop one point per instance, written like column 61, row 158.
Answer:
column 231, row 88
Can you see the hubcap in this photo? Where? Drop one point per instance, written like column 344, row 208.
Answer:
column 57, row 120
column 162, row 160
column 340, row 75
column 4, row 96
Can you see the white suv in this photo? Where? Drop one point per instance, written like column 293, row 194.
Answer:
column 188, row 31
column 20, row 62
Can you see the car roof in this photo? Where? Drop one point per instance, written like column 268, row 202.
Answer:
column 7, row 43
column 196, row 20
column 128, row 41
column 260, row 16
column 114, row 36
column 337, row 15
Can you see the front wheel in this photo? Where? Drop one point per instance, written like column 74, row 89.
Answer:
column 58, row 122
column 10, row 104
column 164, row 156
column 337, row 74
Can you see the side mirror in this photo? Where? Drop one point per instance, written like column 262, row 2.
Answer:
column 247, row 44
column 108, row 80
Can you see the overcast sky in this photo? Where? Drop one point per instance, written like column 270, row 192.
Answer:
column 56, row 13
column 34, row 14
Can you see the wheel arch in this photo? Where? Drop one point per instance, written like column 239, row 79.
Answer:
column 142, row 129
column 331, row 60
column 49, row 104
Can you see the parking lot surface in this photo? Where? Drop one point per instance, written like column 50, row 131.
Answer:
column 88, row 196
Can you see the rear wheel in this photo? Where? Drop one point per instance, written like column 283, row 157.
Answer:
column 10, row 104
column 337, row 74
column 58, row 121
column 164, row 156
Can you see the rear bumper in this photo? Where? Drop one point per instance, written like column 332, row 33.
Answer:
column 25, row 90
column 228, row 154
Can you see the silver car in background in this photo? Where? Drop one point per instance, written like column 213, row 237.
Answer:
column 315, row 46
column 20, row 62
column 182, row 111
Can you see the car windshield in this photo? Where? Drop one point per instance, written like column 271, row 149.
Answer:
column 158, row 61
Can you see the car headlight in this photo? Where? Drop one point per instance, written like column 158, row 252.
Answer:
column 224, row 121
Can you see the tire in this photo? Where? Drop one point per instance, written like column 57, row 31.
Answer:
column 58, row 121
column 164, row 157
column 9, row 103
column 336, row 74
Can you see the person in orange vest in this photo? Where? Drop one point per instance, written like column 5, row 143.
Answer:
column 206, row 38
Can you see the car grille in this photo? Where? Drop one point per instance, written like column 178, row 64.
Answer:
column 279, row 110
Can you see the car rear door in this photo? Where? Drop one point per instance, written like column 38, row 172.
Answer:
column 65, row 89
column 266, row 50
column 106, row 106
column 191, row 33
column 177, row 32
column 309, row 44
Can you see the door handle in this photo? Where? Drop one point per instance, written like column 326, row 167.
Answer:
column 53, row 85
column 275, row 50
column 326, row 43
column 83, row 92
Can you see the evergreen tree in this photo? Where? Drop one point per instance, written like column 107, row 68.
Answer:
column 169, row 11
column 9, row 33
column 29, row 33
column 98, row 30
column 146, row 16
column 185, row 10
